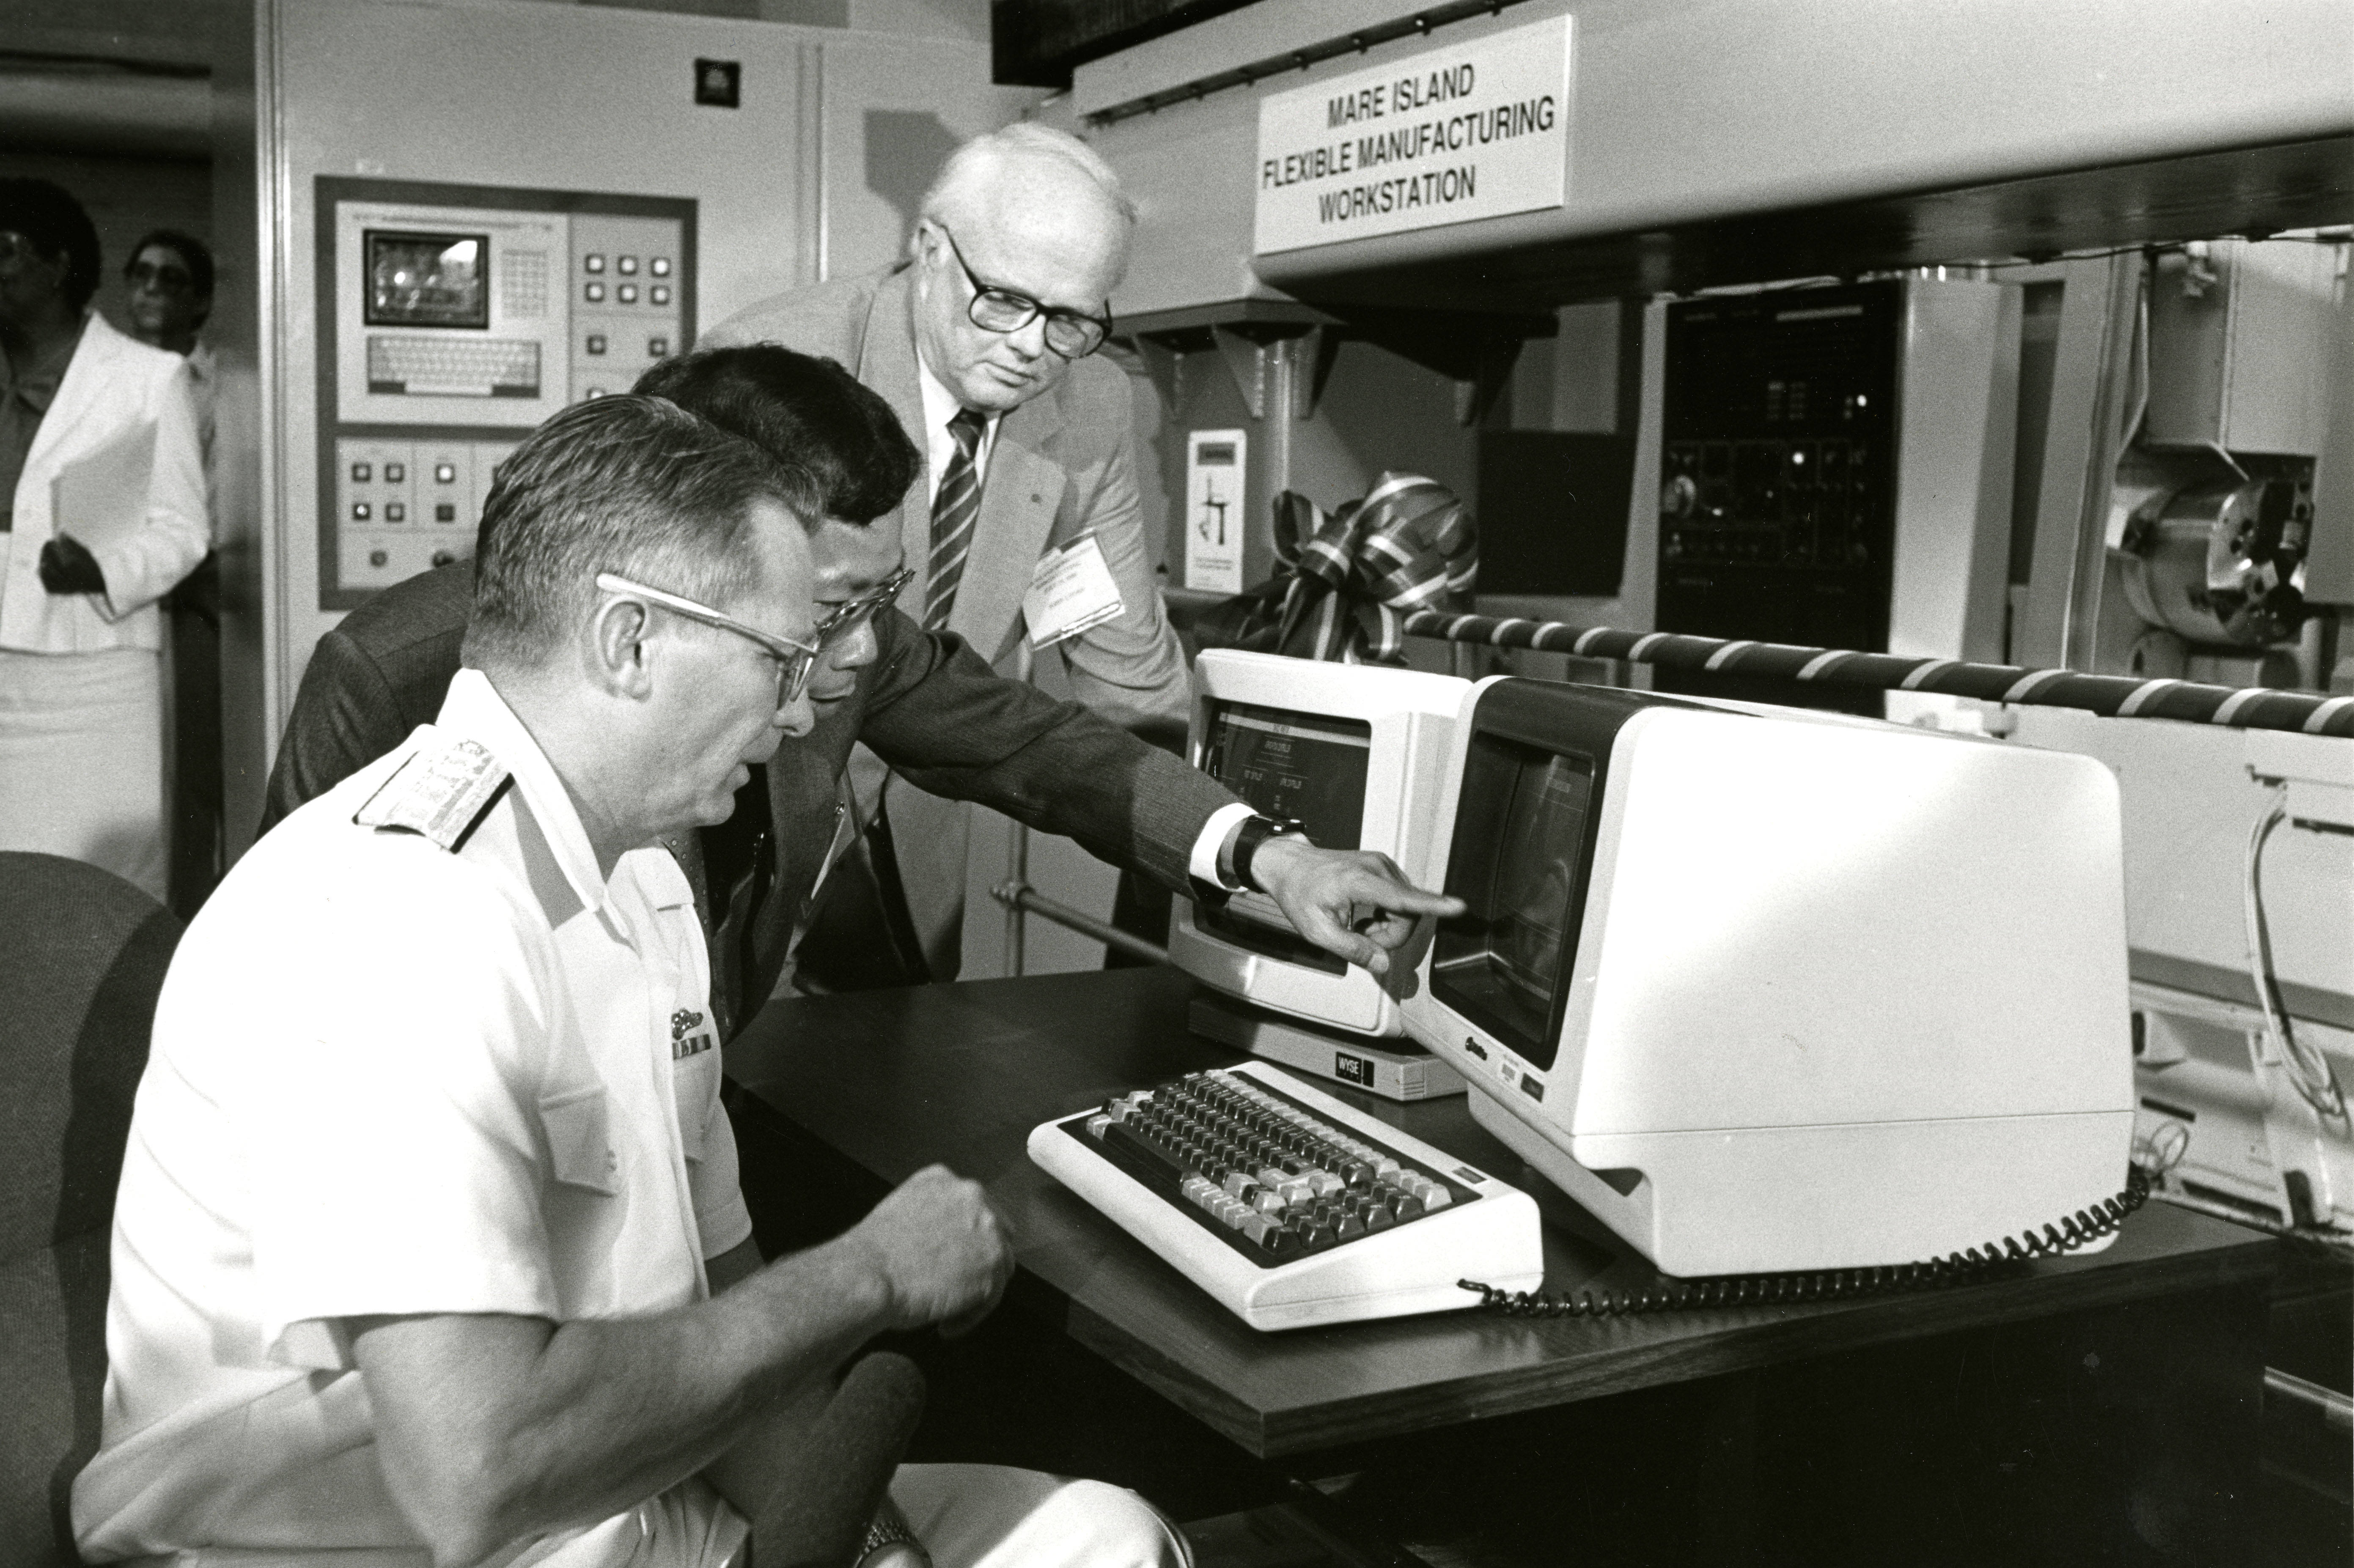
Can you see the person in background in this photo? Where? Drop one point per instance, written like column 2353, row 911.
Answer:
column 982, row 342
column 88, row 419
column 170, row 280
column 429, row 1244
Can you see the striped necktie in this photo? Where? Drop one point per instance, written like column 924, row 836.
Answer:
column 954, row 510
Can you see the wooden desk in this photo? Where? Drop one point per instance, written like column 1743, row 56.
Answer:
column 960, row 1073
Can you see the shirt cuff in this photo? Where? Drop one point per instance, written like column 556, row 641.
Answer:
column 1222, row 826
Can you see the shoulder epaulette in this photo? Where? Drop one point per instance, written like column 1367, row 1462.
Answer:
column 440, row 792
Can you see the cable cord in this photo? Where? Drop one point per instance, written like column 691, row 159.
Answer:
column 2080, row 1229
column 2308, row 1069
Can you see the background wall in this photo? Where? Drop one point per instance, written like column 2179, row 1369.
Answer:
column 815, row 175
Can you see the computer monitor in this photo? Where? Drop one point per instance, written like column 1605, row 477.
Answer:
column 1768, row 990
column 1354, row 753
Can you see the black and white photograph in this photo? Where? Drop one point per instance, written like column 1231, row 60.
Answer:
column 1176, row 783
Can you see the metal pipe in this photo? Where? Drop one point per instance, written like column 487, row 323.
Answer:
column 1017, row 848
column 1025, row 899
column 2336, row 1408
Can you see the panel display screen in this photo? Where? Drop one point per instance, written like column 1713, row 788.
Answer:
column 1308, row 768
column 1519, row 860
column 419, row 279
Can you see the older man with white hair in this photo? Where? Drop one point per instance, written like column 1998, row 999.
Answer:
column 981, row 342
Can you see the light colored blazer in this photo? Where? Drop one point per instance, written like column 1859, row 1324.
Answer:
column 1064, row 463
column 113, row 383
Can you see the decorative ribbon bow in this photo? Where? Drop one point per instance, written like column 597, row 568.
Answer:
column 1349, row 578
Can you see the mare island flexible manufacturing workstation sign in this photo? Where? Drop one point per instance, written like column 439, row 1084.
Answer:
column 1475, row 129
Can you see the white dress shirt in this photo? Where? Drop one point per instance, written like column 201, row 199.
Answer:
column 940, row 406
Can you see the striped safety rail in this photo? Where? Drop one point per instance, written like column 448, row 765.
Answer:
column 2112, row 696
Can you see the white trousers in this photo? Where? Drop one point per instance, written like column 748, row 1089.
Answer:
column 967, row 1516
column 82, row 761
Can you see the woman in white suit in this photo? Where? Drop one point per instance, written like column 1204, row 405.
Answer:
column 89, row 418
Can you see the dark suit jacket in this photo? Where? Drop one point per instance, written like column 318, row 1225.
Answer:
column 926, row 705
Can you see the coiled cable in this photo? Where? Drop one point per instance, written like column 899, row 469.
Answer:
column 2065, row 1235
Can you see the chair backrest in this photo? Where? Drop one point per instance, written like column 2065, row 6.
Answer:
column 82, row 956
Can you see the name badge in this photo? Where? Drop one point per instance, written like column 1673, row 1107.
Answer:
column 1071, row 590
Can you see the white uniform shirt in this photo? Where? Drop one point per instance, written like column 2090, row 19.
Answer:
column 387, row 1078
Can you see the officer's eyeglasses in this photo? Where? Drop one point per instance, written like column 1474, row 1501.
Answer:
column 851, row 614
column 1073, row 334
column 794, row 659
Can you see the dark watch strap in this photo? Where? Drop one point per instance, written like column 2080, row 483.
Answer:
column 1254, row 831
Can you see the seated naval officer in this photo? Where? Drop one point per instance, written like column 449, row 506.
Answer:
column 923, row 701
column 430, row 1247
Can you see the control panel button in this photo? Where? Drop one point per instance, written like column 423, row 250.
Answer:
column 658, row 346
column 360, row 512
column 659, row 294
column 396, row 473
column 445, row 473
column 592, row 262
column 442, row 557
column 596, row 342
column 360, row 472
column 593, row 292
column 659, row 266
column 445, row 512
column 626, row 265
column 378, row 558
column 593, row 392
column 394, row 511
column 627, row 294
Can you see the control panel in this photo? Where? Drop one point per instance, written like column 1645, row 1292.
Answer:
column 1778, row 445
column 459, row 317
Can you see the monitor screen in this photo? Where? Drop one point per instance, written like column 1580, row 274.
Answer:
column 1520, row 856
column 427, row 279
column 1304, row 767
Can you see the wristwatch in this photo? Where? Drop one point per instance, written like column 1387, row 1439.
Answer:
column 1254, row 831
column 884, row 1531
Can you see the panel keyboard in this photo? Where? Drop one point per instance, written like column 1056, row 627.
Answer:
column 1289, row 1206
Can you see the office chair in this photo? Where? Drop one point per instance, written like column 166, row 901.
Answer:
column 84, row 957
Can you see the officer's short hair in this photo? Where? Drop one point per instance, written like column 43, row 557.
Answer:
column 806, row 413
column 47, row 214
column 630, row 485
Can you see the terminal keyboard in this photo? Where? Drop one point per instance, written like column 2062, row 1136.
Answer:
column 454, row 368
column 1291, row 1207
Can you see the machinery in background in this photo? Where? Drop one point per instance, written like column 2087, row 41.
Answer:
column 2211, row 515
column 1835, row 471
column 2229, row 557
column 462, row 316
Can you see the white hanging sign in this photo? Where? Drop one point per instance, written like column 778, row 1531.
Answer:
column 1475, row 129
column 1213, row 510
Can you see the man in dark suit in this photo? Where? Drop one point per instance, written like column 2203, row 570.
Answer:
column 924, row 702
column 982, row 340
